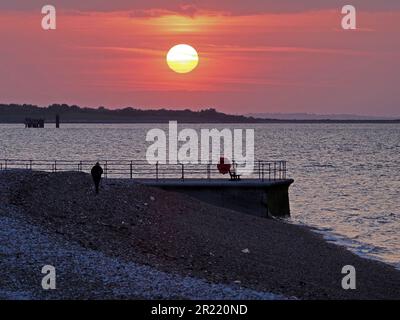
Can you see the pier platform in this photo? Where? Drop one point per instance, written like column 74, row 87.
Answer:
column 262, row 192
column 250, row 196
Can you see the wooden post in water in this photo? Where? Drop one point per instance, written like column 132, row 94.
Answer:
column 57, row 121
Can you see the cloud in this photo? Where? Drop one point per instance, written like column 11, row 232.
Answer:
column 191, row 8
column 138, row 50
column 271, row 49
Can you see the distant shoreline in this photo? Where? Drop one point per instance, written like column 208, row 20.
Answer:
column 14, row 113
column 277, row 121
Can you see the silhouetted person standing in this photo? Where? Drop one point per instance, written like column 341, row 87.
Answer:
column 96, row 172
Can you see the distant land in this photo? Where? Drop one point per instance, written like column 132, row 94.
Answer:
column 313, row 116
column 15, row 113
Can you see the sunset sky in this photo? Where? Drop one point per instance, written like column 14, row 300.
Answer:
column 255, row 56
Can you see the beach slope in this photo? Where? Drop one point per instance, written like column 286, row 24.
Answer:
column 181, row 237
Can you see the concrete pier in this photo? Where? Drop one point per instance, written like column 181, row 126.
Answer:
column 264, row 193
column 251, row 196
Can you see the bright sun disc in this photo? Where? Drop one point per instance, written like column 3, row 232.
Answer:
column 182, row 58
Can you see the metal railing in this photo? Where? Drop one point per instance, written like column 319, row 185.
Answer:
column 140, row 169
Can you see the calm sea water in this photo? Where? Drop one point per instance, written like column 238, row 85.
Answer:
column 347, row 182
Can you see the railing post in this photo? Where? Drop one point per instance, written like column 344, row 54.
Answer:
column 283, row 169
column 157, row 170
column 269, row 171
column 105, row 170
column 280, row 170
column 262, row 173
column 183, row 171
column 131, row 169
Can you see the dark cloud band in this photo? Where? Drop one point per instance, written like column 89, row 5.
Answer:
column 235, row 7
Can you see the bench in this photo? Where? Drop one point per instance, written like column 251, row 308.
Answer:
column 234, row 176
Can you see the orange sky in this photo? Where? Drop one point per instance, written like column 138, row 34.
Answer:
column 254, row 62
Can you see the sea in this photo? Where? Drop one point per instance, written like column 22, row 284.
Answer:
column 347, row 182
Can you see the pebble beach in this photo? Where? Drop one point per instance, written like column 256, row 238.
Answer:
column 136, row 242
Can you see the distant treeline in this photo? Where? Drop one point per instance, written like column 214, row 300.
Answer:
column 14, row 113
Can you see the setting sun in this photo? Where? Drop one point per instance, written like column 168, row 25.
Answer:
column 182, row 58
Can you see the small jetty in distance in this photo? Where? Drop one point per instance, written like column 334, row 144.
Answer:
column 39, row 123
column 34, row 123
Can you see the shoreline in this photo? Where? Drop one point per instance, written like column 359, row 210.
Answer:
column 178, row 235
column 342, row 241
